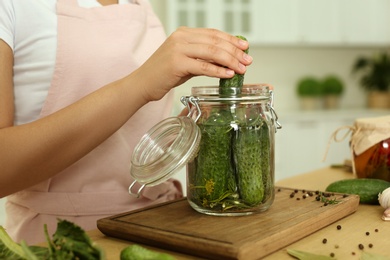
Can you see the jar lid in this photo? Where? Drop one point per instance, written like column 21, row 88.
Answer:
column 164, row 149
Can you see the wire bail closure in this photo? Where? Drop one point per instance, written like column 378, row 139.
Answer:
column 273, row 112
column 187, row 102
column 138, row 194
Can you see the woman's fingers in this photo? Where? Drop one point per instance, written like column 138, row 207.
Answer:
column 211, row 58
column 213, row 46
column 192, row 52
column 210, row 36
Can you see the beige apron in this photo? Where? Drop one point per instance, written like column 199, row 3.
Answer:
column 95, row 46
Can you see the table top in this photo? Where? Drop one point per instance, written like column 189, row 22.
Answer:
column 364, row 227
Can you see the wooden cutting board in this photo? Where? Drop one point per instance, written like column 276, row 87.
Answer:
column 177, row 227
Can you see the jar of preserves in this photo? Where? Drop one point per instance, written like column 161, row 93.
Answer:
column 227, row 143
column 370, row 146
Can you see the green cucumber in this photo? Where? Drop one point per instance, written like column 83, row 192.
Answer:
column 268, row 181
column 229, row 86
column 367, row 189
column 251, row 155
column 247, row 150
column 236, row 81
column 137, row 252
column 214, row 170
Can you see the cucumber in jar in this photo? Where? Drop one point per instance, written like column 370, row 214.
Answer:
column 231, row 170
column 214, row 175
column 251, row 158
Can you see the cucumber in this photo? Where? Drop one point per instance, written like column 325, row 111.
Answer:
column 266, row 159
column 236, row 82
column 214, row 170
column 137, row 252
column 367, row 189
column 251, row 156
column 248, row 161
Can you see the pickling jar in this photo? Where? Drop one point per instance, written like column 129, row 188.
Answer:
column 226, row 142
column 370, row 145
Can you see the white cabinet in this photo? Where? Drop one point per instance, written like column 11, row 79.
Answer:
column 367, row 21
column 293, row 22
column 234, row 16
column 302, row 143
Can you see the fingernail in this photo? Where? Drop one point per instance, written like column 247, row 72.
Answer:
column 230, row 72
column 242, row 66
column 243, row 43
column 247, row 57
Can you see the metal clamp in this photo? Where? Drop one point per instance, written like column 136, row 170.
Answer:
column 273, row 112
column 138, row 194
column 188, row 101
column 274, row 118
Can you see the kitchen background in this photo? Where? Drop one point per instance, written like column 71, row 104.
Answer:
column 292, row 39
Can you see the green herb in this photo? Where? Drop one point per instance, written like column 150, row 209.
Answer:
column 8, row 248
column 68, row 242
column 326, row 198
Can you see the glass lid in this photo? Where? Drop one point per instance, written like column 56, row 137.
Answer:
column 163, row 150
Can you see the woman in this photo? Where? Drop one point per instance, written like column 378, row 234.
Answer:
column 80, row 83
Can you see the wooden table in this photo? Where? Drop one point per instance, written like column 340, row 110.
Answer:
column 365, row 227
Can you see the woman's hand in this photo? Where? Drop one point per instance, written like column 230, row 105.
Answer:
column 192, row 52
column 82, row 126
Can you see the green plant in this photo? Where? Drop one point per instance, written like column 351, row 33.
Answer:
column 374, row 71
column 309, row 87
column 68, row 242
column 332, row 85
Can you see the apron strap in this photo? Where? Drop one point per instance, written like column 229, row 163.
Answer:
column 92, row 203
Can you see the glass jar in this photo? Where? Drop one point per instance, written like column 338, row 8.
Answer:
column 233, row 171
column 374, row 162
column 370, row 144
column 227, row 143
